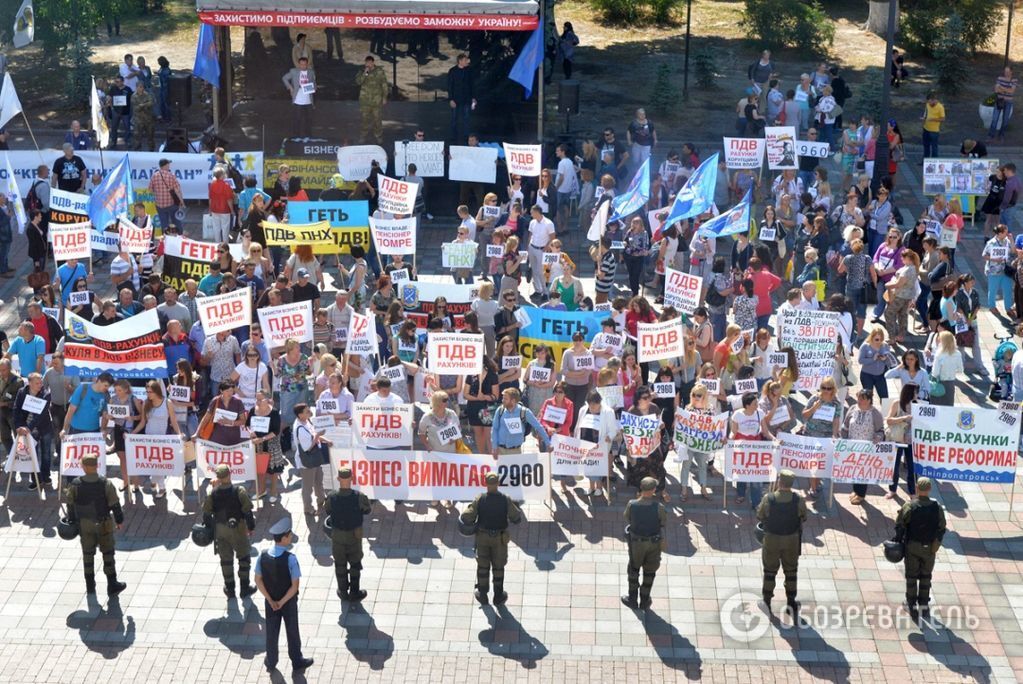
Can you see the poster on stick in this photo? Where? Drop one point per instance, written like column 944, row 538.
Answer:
column 804, row 456
column 858, row 461
column 148, row 455
column 74, row 447
column 576, row 458
column 641, row 433
column 682, row 290
column 226, row 311
column 657, row 341
column 240, row 458
column 396, row 196
column 280, row 323
column 455, row 353
column 965, row 444
column 698, row 431
column 750, row 461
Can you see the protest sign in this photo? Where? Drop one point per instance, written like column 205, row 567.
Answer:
column 656, row 341
column 858, row 461
column 713, row 385
column 523, row 160
column 539, row 374
column 749, row 461
column 555, row 329
column 744, row 153
column 748, row 386
column 74, row 446
column 664, row 390
column 131, row 348
column 458, row 254
column 154, row 455
column 612, row 396
column 817, row 150
column 361, row 336
column 355, row 162
column 279, row 323
column 641, row 433
column 965, row 444
column 21, row 458
column 226, row 311
column 472, row 164
column 779, row 141
column 396, row 196
column 179, row 393
column 314, row 172
column 813, row 336
column 79, row 298
column 432, row 475
column 240, row 458
column 699, row 431
column 294, row 234
column 418, row 300
column 71, row 240
column 804, row 456
column 185, row 259
column 134, row 240
column 576, row 458
column 383, row 427
column 349, row 223
column 427, row 155
column 682, row 290
column 454, row 353
column 394, row 236
column 554, row 414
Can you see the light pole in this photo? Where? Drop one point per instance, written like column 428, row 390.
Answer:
column 685, row 76
column 881, row 150
column 1008, row 33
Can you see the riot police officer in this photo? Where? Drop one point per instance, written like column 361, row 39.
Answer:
column 491, row 512
column 92, row 499
column 783, row 513
column 645, row 518
column 346, row 508
column 229, row 507
column 921, row 525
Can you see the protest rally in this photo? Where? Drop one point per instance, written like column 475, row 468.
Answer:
column 555, row 389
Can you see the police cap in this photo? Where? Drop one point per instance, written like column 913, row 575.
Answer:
column 282, row 526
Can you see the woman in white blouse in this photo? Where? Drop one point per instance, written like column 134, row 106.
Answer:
column 947, row 364
column 597, row 423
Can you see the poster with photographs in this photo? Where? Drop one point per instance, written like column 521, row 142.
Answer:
column 958, row 176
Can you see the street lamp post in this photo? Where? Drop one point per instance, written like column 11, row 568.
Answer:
column 685, row 76
column 881, row 150
column 1008, row 33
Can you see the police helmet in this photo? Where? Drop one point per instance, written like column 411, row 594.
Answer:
column 202, row 534
column 759, row 531
column 328, row 526
column 467, row 529
column 66, row 529
column 894, row 551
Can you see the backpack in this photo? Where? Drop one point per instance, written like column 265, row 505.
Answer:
column 32, row 201
column 526, row 427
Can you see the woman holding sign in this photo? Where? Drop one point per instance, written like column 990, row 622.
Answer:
column 481, row 393
column 646, row 455
column 123, row 409
column 750, row 423
column 701, row 402
column 997, row 253
column 264, row 423
column 157, row 419
column 251, row 376
column 598, row 424
column 439, row 428
column 293, row 368
column 556, row 416
column 82, row 303
column 822, row 418
column 539, row 378
column 577, row 368
column 509, row 364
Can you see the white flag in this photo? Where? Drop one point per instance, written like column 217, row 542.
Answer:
column 99, row 123
column 599, row 223
column 24, row 25
column 10, row 105
column 10, row 188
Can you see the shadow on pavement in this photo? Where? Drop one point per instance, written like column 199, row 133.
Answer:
column 364, row 640
column 508, row 639
column 104, row 631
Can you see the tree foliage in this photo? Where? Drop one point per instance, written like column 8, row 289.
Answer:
column 949, row 66
column 923, row 23
column 789, row 23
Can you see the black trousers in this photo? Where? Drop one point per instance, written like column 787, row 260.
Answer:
column 289, row 614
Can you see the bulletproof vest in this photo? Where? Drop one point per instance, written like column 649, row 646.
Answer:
column 923, row 522
column 226, row 504
column 783, row 517
column 492, row 511
column 644, row 520
column 275, row 573
column 344, row 510
column 91, row 499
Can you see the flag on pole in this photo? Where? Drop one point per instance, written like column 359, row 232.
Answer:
column 697, row 195
column 99, row 122
column 10, row 188
column 10, row 105
column 24, row 25
column 529, row 60
column 599, row 222
column 735, row 220
column 207, row 66
column 113, row 197
column 635, row 196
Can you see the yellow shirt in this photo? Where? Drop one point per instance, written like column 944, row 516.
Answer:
column 934, row 115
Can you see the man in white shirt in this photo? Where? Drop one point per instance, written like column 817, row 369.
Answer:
column 808, row 297
column 541, row 232
column 468, row 222
column 301, row 85
column 339, row 315
column 383, row 396
column 129, row 72
column 567, row 184
column 124, row 268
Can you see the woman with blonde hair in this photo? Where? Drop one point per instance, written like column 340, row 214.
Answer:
column 486, row 217
column 264, row 268
column 954, row 220
column 485, row 307
column 511, row 265
column 700, row 402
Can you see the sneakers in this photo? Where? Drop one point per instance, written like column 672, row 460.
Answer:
column 273, row 499
column 32, row 486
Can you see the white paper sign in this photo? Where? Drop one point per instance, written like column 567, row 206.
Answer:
column 458, row 254
column 74, row 447
column 455, row 353
column 225, row 311
column 510, row 362
column 768, row 234
column 824, row 412
column 656, row 341
column 472, row 164
column 779, row 142
column 287, row 321
column 34, row 404
column 746, row 386
column 394, row 236
column 118, row 411
column 778, row 360
column 179, row 393
column 223, row 416
column 713, row 385
column 399, row 275
column 495, row 251
column 950, row 236
column 260, row 424
column 522, row 318
column 539, row 374
column 553, row 414
column 583, row 362
column 682, row 290
column 550, row 258
column 744, row 153
column 79, row 298
column 22, row 456
column 240, row 458
column 120, row 100
column 523, row 160
column 361, row 335
column 611, row 395
column 664, row 390
column 449, row 433
column 491, row 212
column 818, row 150
column 427, row 155
column 154, row 455
column 393, row 373
column 395, row 196
column 355, row 161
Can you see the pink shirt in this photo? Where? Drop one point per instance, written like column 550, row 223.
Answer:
column 764, row 283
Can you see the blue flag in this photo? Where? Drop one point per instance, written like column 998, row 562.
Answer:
column 635, row 196
column 207, row 66
column 735, row 220
column 697, row 195
column 113, row 197
column 528, row 61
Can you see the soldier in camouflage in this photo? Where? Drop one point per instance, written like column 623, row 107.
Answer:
column 142, row 118
column 373, row 88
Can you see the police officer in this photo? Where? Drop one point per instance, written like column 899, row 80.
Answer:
column 229, row 506
column 91, row 499
column 921, row 525
column 491, row 512
column 646, row 518
column 277, row 576
column 783, row 513
column 346, row 508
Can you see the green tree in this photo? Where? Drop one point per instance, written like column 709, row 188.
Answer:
column 951, row 69
column 789, row 23
column 923, row 22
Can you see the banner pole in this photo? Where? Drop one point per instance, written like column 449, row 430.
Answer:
column 29, row 127
column 1012, row 495
column 7, row 493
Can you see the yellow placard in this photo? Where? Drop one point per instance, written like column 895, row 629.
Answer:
column 289, row 234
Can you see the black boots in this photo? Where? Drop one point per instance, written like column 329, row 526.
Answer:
column 113, row 586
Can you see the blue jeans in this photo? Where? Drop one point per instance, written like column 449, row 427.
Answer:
column 999, row 282
column 806, row 178
column 881, row 303
column 166, row 216
column 828, row 135
column 719, row 322
column 5, row 248
column 765, row 322
column 756, row 492
column 921, row 304
column 877, row 383
column 1002, row 114
column 44, row 450
column 930, row 141
column 1010, row 217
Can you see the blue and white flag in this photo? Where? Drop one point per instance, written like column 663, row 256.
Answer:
column 529, row 60
column 207, row 66
column 113, row 197
column 735, row 220
column 697, row 195
column 635, row 196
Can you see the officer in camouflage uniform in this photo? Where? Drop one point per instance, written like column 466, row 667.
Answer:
column 783, row 513
column 646, row 518
column 373, row 88
column 142, row 117
column 346, row 508
column 229, row 507
column 491, row 512
column 921, row 525
column 91, row 499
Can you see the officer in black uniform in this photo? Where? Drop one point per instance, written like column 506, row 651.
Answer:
column 491, row 512
column 921, row 525
column 646, row 518
column 91, row 499
column 346, row 508
column 229, row 506
column 277, row 576
column 783, row 513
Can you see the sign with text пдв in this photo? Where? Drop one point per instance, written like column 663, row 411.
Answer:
column 576, row 458
column 74, row 447
column 859, row 461
column 813, row 336
column 292, row 234
column 523, row 160
column 134, row 240
column 279, row 323
column 744, row 153
column 396, row 196
column 454, row 353
column 383, row 427
column 749, row 461
column 965, row 444
column 394, row 236
column 430, row 476
column 225, row 311
column 154, row 455
column 427, row 155
column 71, row 240
column 656, row 341
column 240, row 458
column 682, row 290
column 348, row 219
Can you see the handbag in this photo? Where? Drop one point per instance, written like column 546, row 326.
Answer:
column 898, row 153
column 822, row 287
column 205, row 430
column 38, row 279
column 461, row 447
column 487, row 414
column 937, row 387
column 207, row 227
column 966, row 338
column 312, row 458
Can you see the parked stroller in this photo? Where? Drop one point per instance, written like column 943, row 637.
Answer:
column 1001, row 388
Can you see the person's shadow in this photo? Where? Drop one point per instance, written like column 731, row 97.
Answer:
column 235, row 631
column 106, row 632
column 949, row 649
column 507, row 638
column 364, row 640
column 674, row 650
column 829, row 664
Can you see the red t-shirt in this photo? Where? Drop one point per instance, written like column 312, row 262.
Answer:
column 632, row 318
column 221, row 197
column 764, row 283
column 43, row 330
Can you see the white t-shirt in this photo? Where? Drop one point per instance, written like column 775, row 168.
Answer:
column 469, row 223
column 391, row 399
column 566, row 174
column 540, row 232
column 249, row 382
column 131, row 81
column 302, row 97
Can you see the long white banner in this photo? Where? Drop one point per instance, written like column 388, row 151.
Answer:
column 966, row 444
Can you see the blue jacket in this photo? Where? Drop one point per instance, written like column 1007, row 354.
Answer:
column 500, row 436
